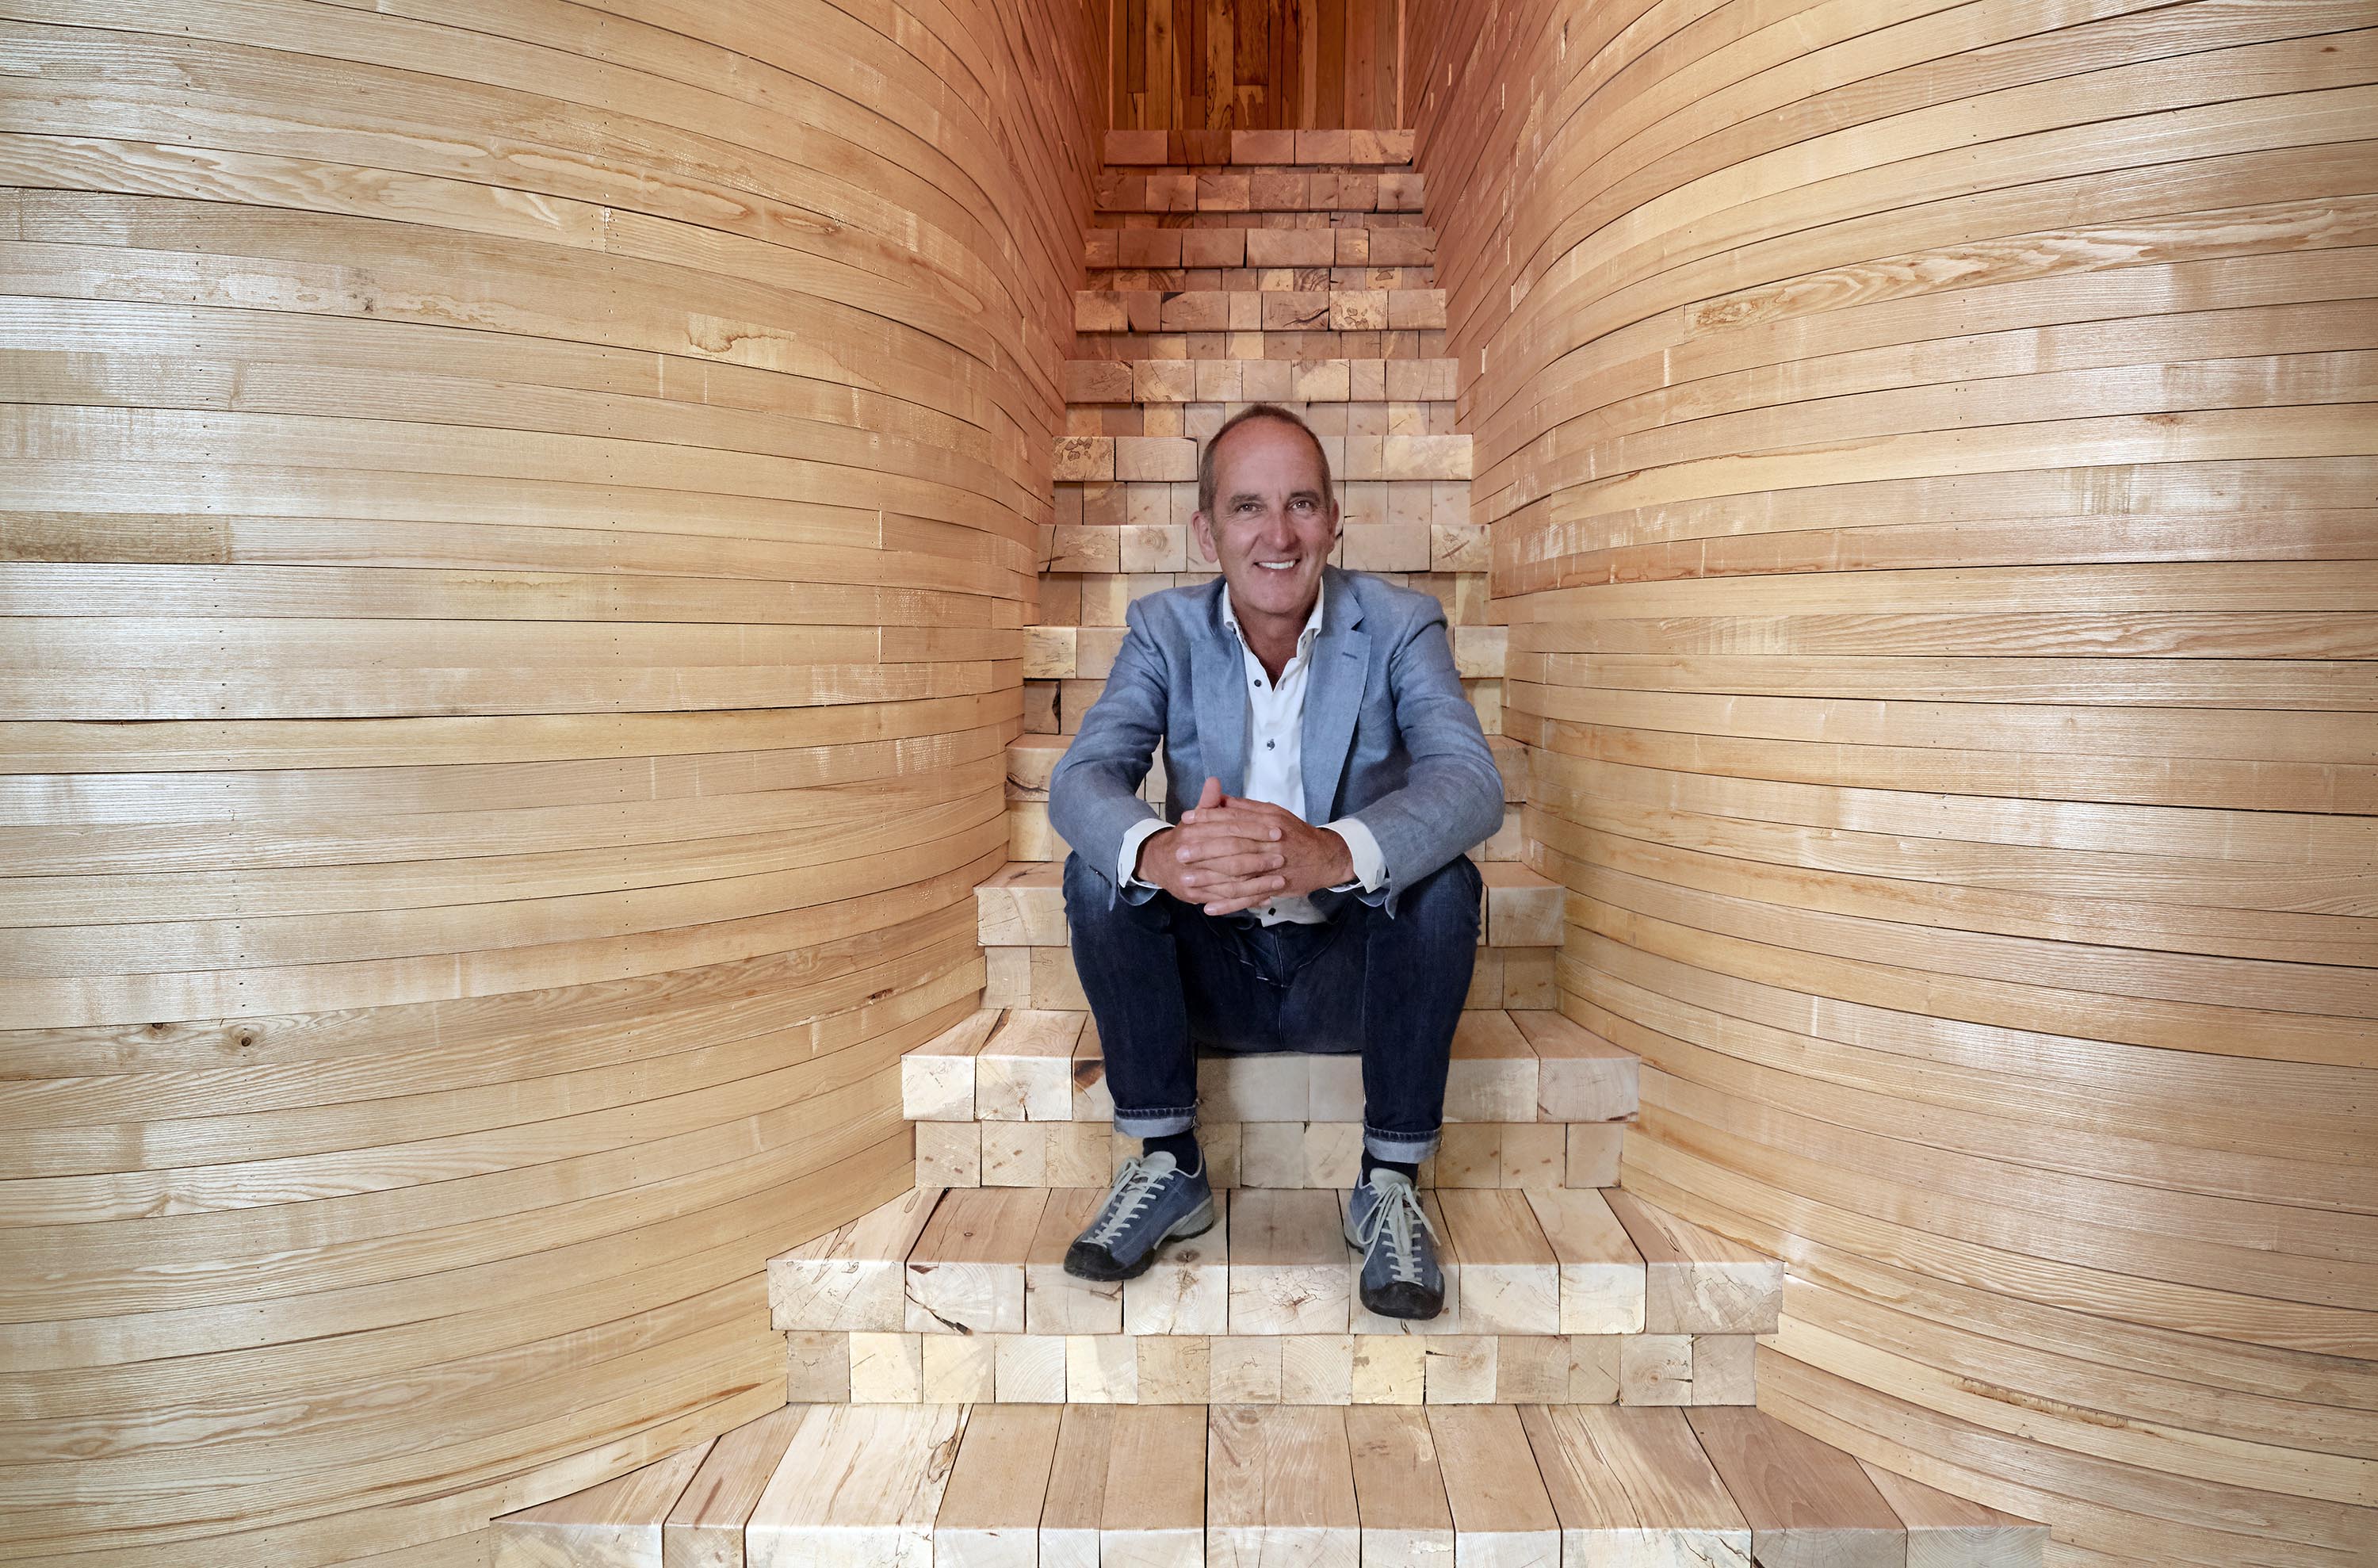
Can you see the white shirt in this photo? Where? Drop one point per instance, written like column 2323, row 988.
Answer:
column 1276, row 772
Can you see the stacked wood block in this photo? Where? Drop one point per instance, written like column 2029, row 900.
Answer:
column 1292, row 269
column 1194, row 1486
column 1559, row 1295
column 1017, row 1098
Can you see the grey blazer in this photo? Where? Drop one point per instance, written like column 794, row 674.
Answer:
column 1388, row 735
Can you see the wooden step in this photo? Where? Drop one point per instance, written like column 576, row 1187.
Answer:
column 1125, row 149
column 1097, row 383
column 1121, row 195
column 1387, row 240
column 1197, row 1484
column 1031, row 1064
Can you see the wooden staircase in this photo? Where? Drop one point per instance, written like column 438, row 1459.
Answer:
column 955, row 1399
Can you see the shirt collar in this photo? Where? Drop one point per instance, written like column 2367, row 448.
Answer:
column 1303, row 638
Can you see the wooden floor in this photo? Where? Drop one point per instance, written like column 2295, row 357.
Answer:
column 1224, row 1485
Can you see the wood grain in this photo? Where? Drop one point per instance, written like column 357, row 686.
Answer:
column 515, row 528
column 1938, row 592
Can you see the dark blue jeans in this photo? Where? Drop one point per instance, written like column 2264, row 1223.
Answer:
column 1163, row 977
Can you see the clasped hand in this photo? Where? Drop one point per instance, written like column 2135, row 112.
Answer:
column 1230, row 854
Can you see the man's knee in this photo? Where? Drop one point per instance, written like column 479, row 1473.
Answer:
column 1092, row 898
column 1446, row 902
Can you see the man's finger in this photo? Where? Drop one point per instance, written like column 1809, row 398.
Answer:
column 1255, row 825
column 1203, row 843
column 1225, row 868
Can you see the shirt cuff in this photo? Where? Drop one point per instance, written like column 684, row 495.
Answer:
column 1370, row 865
column 1139, row 833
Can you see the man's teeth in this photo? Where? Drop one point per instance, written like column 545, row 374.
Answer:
column 1276, row 566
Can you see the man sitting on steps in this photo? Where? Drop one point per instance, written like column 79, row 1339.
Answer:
column 1316, row 896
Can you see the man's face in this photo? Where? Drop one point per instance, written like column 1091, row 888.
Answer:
column 1272, row 527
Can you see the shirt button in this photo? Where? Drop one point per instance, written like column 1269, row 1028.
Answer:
column 1267, row 745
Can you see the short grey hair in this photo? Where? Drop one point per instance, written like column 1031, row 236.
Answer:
column 1257, row 411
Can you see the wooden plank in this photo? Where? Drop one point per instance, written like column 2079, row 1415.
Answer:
column 1493, row 1076
column 1399, row 1488
column 1632, row 1485
column 937, row 1077
column 1807, row 1501
column 1071, row 1513
column 1695, row 1280
column 614, row 1524
column 1024, row 1071
column 1580, row 1076
column 705, row 1527
column 1154, row 1515
column 1946, row 1531
column 990, row 1511
column 1602, row 1275
column 1280, row 1488
column 851, row 1278
column 859, row 1488
column 1503, row 1515
column 966, row 1272
column 1510, row 1278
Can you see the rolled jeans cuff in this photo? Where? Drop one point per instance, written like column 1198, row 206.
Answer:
column 1403, row 1148
column 1161, row 1122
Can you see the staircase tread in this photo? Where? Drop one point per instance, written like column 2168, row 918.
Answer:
column 1516, row 1263
column 1165, row 1483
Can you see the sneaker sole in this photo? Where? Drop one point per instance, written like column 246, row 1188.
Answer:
column 1193, row 1224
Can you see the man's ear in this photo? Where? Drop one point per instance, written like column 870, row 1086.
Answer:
column 1200, row 530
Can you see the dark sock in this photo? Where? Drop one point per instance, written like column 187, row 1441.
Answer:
column 1411, row 1172
column 1182, row 1146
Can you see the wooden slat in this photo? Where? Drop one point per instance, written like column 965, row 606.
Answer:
column 616, row 1524
column 1154, row 1515
column 858, row 1485
column 1501, row 1512
column 990, row 1511
column 1398, row 1488
column 1634, row 1482
column 1805, row 1502
column 1280, row 1486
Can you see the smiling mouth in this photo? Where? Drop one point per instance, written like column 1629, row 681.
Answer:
column 1277, row 565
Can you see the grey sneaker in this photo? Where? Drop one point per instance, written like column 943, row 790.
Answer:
column 1153, row 1200
column 1400, row 1276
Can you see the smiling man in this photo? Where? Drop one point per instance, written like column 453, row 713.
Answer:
column 1313, row 893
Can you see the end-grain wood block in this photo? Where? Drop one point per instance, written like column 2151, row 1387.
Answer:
column 957, row 1368
column 1270, row 1088
column 614, row 1524
column 1510, row 1282
column 1078, row 459
column 948, row 1153
column 1154, row 1510
column 1500, row 1508
column 1279, row 1488
column 1655, row 1368
column 849, row 1279
column 705, row 1528
column 1071, row 1511
column 1388, row 1369
column 1945, row 1531
column 937, row 1077
column 1156, row 457
column 1523, row 910
column 1128, row 148
column 966, row 1272
column 1186, row 1287
column 1423, row 457
column 1460, row 1368
column 1102, row 1368
column 990, row 1511
column 1580, row 1076
column 1022, row 905
column 1287, row 1263
column 1054, row 1301
column 1493, row 1075
column 1810, row 1505
column 1601, row 1271
column 1449, row 1257
column 858, row 1486
column 1725, row 1369
column 1591, row 1151
column 1263, row 147
column 1175, row 1368
column 1398, row 1488
column 1025, row 1070
column 1697, row 1280
column 1634, row 1487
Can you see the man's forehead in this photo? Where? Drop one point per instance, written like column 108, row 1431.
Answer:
column 1233, row 444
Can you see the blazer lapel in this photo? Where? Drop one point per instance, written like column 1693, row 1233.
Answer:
column 1333, row 690
column 1218, row 676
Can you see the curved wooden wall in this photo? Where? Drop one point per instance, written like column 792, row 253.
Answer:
column 514, row 521
column 1930, row 457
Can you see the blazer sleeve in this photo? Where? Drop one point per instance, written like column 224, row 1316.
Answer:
column 1452, row 793
column 1093, row 793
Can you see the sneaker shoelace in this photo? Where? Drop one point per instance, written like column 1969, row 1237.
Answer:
column 1134, row 1189
column 1396, row 1212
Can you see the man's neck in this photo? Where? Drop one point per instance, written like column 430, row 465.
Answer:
column 1273, row 639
